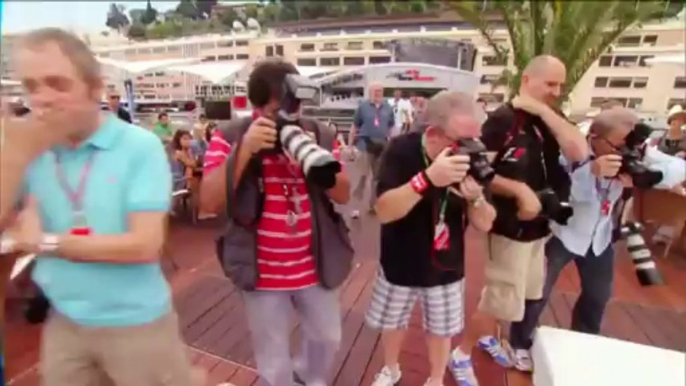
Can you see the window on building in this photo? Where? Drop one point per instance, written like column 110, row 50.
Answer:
column 209, row 58
column 641, row 82
column 492, row 60
column 605, row 61
column 307, row 62
column 160, row 73
column 625, row 60
column 176, row 84
column 489, row 79
column 619, row 82
column 330, row 61
column 492, row 97
column 675, row 101
column 354, row 46
column 242, row 56
column 635, row 103
column 161, row 85
column 379, row 59
column 642, row 60
column 130, row 52
column 173, row 48
column 225, row 43
column 241, row 43
column 629, row 41
column 379, row 45
column 269, row 51
column 330, row 47
column 207, row 46
column 680, row 82
column 279, row 50
column 223, row 58
column 597, row 102
column 307, row 47
column 353, row 61
column 650, row 40
column 158, row 50
column 601, row 81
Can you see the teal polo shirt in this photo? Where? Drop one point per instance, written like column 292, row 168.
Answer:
column 130, row 173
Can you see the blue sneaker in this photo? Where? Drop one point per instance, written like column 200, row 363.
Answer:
column 460, row 367
column 491, row 345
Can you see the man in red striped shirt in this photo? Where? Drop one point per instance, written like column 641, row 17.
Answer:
column 287, row 277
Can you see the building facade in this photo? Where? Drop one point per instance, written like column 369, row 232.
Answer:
column 621, row 74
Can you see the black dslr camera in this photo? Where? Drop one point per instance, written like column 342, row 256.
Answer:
column 318, row 164
column 479, row 167
column 632, row 155
column 552, row 208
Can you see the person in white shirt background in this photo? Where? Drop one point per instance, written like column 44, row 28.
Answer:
column 587, row 237
column 403, row 111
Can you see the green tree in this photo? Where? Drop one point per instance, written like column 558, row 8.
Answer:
column 137, row 31
column 577, row 32
column 380, row 7
column 205, row 7
column 252, row 11
column 418, row 7
column 135, row 15
column 228, row 16
column 149, row 16
column 116, row 18
column 187, row 9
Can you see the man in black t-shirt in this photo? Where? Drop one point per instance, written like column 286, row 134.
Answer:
column 114, row 105
column 525, row 137
column 422, row 236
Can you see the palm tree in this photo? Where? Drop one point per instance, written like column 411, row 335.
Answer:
column 577, row 32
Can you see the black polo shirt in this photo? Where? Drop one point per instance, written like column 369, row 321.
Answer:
column 528, row 152
column 407, row 255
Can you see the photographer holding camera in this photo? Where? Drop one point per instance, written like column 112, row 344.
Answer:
column 284, row 246
column 527, row 137
column 427, row 196
column 587, row 239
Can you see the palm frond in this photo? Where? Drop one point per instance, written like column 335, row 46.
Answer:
column 470, row 11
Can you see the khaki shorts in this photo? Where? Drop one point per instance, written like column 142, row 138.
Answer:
column 515, row 272
column 149, row 354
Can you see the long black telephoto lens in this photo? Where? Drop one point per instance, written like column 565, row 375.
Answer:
column 646, row 269
column 318, row 164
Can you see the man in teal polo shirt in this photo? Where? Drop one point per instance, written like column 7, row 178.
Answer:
column 95, row 215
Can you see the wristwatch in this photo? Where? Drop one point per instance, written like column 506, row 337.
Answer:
column 475, row 203
column 50, row 243
column 7, row 244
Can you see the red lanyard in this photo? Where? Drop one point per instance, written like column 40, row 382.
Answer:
column 75, row 196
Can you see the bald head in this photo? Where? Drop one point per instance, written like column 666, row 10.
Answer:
column 543, row 79
column 615, row 119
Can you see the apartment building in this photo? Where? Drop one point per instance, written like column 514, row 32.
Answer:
column 622, row 73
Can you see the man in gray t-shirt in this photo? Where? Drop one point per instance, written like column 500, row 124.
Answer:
column 373, row 122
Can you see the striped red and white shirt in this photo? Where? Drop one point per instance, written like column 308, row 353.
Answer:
column 284, row 253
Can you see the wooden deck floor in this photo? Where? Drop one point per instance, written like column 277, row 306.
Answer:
column 213, row 323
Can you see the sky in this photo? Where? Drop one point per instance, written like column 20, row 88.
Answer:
column 81, row 16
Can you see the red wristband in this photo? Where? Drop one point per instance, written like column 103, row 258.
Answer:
column 419, row 183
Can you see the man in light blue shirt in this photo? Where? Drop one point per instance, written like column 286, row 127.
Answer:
column 587, row 237
column 95, row 216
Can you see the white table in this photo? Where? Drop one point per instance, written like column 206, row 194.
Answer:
column 567, row 358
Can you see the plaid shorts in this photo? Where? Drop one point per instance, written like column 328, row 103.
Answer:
column 442, row 307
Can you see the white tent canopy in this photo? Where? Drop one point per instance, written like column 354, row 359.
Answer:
column 668, row 59
column 214, row 72
column 308, row 71
column 146, row 65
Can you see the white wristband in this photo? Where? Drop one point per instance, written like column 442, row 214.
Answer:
column 49, row 244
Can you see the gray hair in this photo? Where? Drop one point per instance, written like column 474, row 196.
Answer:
column 442, row 106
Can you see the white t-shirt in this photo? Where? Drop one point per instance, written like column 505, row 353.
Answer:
column 402, row 110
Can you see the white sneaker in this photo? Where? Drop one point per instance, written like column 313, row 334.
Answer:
column 387, row 377
column 355, row 214
column 522, row 360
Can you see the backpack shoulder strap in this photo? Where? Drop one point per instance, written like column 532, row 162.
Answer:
column 233, row 132
column 324, row 134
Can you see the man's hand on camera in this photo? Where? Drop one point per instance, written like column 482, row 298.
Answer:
column 260, row 135
column 606, row 166
column 528, row 104
column 528, row 203
column 447, row 170
column 626, row 180
column 469, row 189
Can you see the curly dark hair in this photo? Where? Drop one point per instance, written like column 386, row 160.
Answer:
column 178, row 135
column 266, row 79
